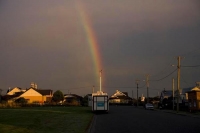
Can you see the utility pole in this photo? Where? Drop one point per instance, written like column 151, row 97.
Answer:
column 100, row 79
column 147, row 83
column 178, row 81
column 137, row 82
column 93, row 89
column 173, row 91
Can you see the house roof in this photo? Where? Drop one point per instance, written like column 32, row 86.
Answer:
column 126, row 93
column 13, row 90
column 44, row 92
column 17, row 94
column 167, row 93
column 72, row 95
column 195, row 89
column 120, row 95
column 185, row 90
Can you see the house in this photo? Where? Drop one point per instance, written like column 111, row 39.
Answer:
column 166, row 99
column 185, row 91
column 89, row 100
column 72, row 99
column 121, row 98
column 165, row 94
column 37, row 96
column 31, row 95
column 14, row 91
column 194, row 99
column 13, row 94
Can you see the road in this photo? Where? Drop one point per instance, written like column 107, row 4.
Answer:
column 130, row 119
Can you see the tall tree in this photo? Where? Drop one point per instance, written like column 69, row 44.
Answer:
column 58, row 96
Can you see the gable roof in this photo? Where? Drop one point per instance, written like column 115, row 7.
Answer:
column 13, row 91
column 195, row 89
column 185, row 90
column 126, row 93
column 167, row 93
column 120, row 95
column 32, row 92
column 8, row 97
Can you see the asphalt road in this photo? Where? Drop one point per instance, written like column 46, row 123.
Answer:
column 130, row 119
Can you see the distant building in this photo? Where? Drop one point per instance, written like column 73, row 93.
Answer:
column 34, row 85
column 13, row 91
column 194, row 99
column 165, row 94
column 31, row 95
column 38, row 95
column 166, row 99
column 72, row 99
column 89, row 100
column 121, row 98
column 142, row 99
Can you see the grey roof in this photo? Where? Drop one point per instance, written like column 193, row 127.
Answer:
column 73, row 95
column 44, row 92
column 167, row 92
column 184, row 90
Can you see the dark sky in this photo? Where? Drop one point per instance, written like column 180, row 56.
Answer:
column 45, row 42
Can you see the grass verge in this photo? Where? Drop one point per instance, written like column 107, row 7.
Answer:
column 45, row 119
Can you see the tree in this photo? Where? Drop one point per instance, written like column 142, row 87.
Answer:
column 21, row 101
column 58, row 96
column 85, row 100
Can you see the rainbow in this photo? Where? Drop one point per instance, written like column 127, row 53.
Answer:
column 91, row 38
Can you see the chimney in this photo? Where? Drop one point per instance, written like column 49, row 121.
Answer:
column 198, row 84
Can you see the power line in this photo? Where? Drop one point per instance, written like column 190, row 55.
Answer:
column 184, row 81
column 163, row 70
column 165, row 76
column 123, row 87
column 191, row 66
column 142, row 86
column 118, row 87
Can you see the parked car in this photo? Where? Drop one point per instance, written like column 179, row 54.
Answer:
column 149, row 106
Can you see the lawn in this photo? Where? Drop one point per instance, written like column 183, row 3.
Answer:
column 45, row 120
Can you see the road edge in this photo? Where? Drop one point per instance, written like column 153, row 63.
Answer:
column 91, row 128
